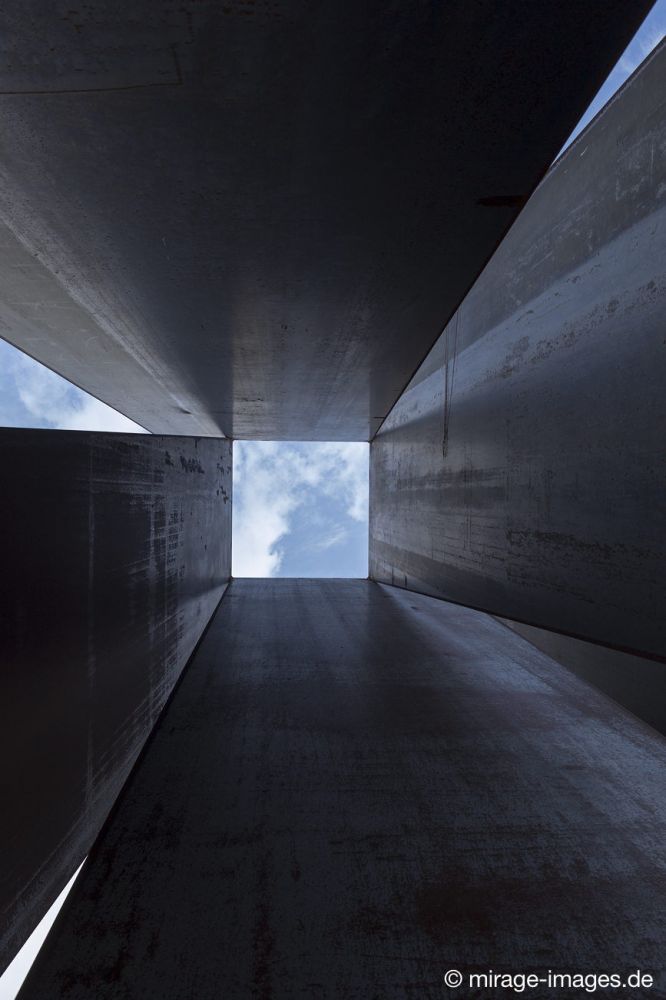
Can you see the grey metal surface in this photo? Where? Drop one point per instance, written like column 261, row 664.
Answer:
column 116, row 551
column 355, row 789
column 523, row 471
column 254, row 218
column 636, row 682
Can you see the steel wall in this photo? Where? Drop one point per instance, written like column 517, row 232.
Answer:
column 522, row 471
column 116, row 551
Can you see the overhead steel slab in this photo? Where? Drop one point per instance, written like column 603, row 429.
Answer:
column 254, row 218
column 116, row 550
column 523, row 471
column 355, row 789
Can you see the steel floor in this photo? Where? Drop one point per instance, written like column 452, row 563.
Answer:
column 355, row 789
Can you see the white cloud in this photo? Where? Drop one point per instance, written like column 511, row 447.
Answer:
column 273, row 479
column 261, row 509
column 49, row 398
column 337, row 535
column 93, row 415
column 645, row 41
column 653, row 34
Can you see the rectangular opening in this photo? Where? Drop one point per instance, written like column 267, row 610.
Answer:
column 300, row 509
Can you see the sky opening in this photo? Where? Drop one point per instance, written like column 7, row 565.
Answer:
column 12, row 978
column 300, row 508
column 648, row 36
column 31, row 395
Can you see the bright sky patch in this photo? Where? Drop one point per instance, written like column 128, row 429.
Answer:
column 31, row 395
column 300, row 509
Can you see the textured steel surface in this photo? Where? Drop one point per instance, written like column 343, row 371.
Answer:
column 356, row 788
column 636, row 682
column 115, row 552
column 523, row 470
column 254, row 218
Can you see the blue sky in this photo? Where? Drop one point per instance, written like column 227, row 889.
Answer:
column 300, row 509
column 33, row 396
column 648, row 36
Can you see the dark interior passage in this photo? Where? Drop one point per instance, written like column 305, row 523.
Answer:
column 356, row 788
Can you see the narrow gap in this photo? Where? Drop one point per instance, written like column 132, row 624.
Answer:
column 12, row 978
column 646, row 39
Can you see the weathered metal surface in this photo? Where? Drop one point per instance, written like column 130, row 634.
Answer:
column 255, row 218
column 355, row 789
column 523, row 471
column 638, row 683
column 116, row 550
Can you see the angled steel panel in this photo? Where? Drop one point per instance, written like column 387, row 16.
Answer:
column 116, row 551
column 523, row 471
